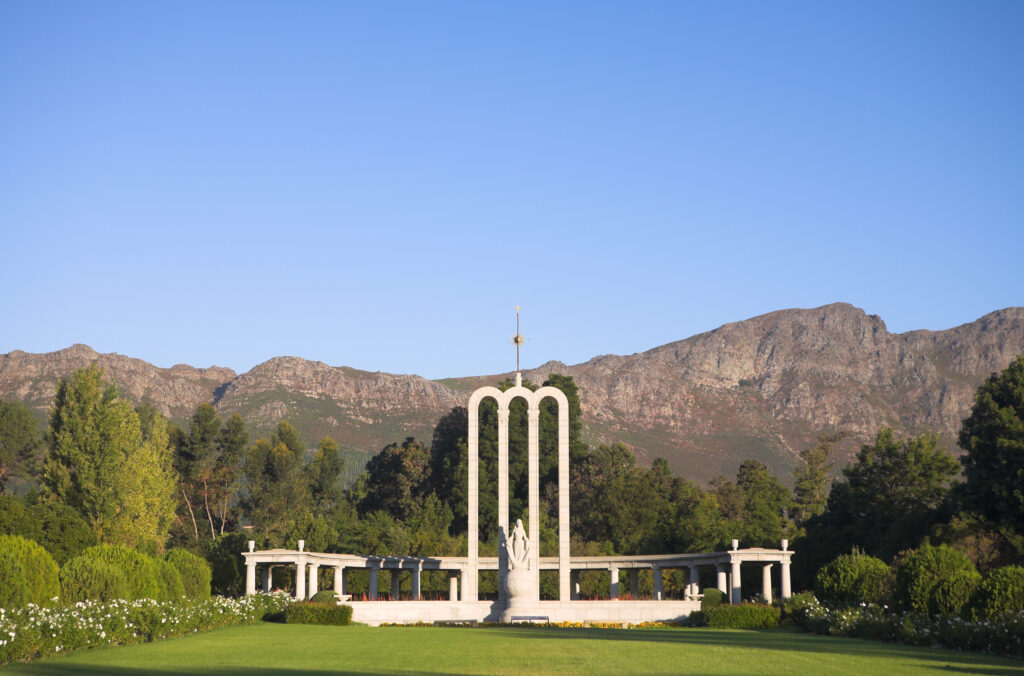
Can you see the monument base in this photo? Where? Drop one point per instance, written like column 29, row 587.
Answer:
column 375, row 613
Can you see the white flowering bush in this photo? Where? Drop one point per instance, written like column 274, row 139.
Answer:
column 1003, row 634
column 33, row 632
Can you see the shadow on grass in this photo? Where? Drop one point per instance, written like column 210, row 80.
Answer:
column 58, row 669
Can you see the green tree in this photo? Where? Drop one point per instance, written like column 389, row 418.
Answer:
column 322, row 473
column 993, row 436
column 276, row 493
column 397, row 479
column 810, row 491
column 100, row 464
column 19, row 441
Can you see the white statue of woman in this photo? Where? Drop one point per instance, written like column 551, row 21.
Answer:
column 518, row 546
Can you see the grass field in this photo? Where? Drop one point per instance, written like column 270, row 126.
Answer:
column 293, row 650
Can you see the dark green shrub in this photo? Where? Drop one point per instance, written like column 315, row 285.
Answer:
column 226, row 564
column 61, row 530
column 87, row 579
column 325, row 597
column 13, row 588
column 921, row 569
column 999, row 593
column 744, row 616
column 309, row 612
column 952, row 593
column 712, row 597
column 169, row 581
column 42, row 577
column 194, row 571
column 796, row 606
column 139, row 570
column 852, row 579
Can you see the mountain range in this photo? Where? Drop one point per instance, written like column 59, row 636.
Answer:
column 761, row 388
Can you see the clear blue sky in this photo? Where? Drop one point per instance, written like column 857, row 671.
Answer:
column 379, row 184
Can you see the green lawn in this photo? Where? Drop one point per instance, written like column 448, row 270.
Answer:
column 291, row 650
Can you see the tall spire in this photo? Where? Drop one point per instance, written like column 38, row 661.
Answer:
column 517, row 340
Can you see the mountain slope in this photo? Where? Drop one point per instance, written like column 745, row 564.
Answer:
column 762, row 388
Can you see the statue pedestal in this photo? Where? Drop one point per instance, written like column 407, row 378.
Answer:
column 521, row 593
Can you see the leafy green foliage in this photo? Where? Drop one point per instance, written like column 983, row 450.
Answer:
column 276, row 490
column 810, row 493
column 919, row 571
column 953, row 592
column 85, row 578
column 226, row 564
column 325, row 596
column 194, row 571
column 169, row 584
column 56, row 527
column 323, row 474
column 95, row 436
column 19, row 441
column 1000, row 592
column 755, row 506
column 310, row 612
column 852, row 579
column 139, row 570
column 744, row 616
column 40, row 571
column 993, row 436
column 14, row 591
column 712, row 597
column 396, row 479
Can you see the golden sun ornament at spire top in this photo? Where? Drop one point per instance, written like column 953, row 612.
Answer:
column 518, row 339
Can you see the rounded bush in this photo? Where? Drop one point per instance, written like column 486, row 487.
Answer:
column 41, row 573
column 852, row 579
column 712, row 597
column 999, row 593
column 88, row 579
column 61, row 530
column 952, row 593
column 194, row 571
column 169, row 582
column 139, row 570
column 920, row 570
column 325, row 596
column 13, row 588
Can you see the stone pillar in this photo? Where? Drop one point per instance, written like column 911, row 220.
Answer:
column 723, row 578
column 396, row 583
column 268, row 579
column 634, row 583
column 574, row 586
column 533, row 470
column 339, row 580
column 693, row 589
column 766, row 582
column 453, row 586
column 785, row 590
column 416, row 583
column 300, row 578
column 503, row 524
column 314, row 579
column 658, row 587
column 469, row 582
column 563, row 499
column 613, row 590
column 737, row 586
column 250, row 577
column 371, row 592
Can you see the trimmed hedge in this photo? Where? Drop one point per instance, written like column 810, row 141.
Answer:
column 712, row 597
column 169, row 580
column 88, row 579
column 13, row 588
column 325, row 596
column 310, row 612
column 139, row 570
column 42, row 577
column 852, row 579
column 194, row 571
column 744, row 616
column 999, row 593
column 952, row 594
column 922, row 569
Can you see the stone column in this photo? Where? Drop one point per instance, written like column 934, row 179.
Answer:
column 563, row 499
column 533, row 469
column 785, row 590
column 396, row 583
column 613, row 590
column 574, row 586
column 453, row 586
column 503, row 522
column 250, row 577
column 469, row 582
column 634, row 583
column 766, row 582
column 737, row 584
column 723, row 578
column 339, row 580
column 314, row 579
column 416, row 583
column 300, row 578
column 658, row 587
column 693, row 589
column 268, row 578
column 371, row 592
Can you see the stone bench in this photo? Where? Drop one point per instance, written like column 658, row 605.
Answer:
column 531, row 618
column 470, row 623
